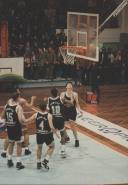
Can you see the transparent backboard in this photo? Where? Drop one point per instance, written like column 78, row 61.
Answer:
column 82, row 35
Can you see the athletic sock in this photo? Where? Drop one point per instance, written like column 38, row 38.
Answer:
column 9, row 157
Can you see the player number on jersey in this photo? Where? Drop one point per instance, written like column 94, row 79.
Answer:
column 56, row 109
column 9, row 116
column 41, row 125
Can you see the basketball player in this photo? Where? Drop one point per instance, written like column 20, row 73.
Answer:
column 25, row 143
column 14, row 118
column 70, row 104
column 25, row 104
column 44, row 134
column 55, row 108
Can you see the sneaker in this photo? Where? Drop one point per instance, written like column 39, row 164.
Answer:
column 3, row 154
column 10, row 163
column 19, row 166
column 39, row 166
column 45, row 164
column 67, row 139
column 63, row 154
column 76, row 143
column 27, row 152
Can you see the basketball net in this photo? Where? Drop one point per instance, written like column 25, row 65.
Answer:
column 68, row 59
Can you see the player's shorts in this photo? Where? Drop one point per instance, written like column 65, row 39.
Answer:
column 58, row 123
column 14, row 133
column 44, row 138
column 69, row 113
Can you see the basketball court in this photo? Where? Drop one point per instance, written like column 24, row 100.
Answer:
column 102, row 157
column 91, row 163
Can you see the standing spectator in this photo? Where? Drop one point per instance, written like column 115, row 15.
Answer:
column 27, row 50
column 117, row 67
column 51, row 58
column 42, row 60
column 27, row 68
column 94, row 80
column 78, row 73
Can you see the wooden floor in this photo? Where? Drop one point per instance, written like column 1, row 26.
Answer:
column 113, row 104
column 113, row 107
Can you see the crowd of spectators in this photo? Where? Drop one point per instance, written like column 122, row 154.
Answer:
column 112, row 67
column 32, row 34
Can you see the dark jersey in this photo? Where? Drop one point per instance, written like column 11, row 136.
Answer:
column 14, row 130
column 69, row 109
column 11, row 116
column 55, row 106
column 42, row 124
column 69, row 103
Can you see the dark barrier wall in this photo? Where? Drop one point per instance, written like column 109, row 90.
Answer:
column 124, row 40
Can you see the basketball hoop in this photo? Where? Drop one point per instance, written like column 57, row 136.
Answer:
column 69, row 59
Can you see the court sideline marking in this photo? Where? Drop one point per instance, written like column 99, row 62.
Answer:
column 93, row 134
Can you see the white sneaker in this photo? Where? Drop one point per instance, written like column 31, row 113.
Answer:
column 63, row 154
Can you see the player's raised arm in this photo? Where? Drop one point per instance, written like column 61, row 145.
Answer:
column 21, row 116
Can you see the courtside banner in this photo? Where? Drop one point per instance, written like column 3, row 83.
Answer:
column 104, row 128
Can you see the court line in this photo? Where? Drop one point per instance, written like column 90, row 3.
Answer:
column 104, row 128
column 103, row 140
column 111, row 144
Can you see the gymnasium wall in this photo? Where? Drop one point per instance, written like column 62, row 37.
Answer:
column 12, row 65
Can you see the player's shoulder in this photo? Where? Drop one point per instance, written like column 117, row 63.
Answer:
column 22, row 101
column 49, row 115
column 75, row 93
column 19, row 106
column 62, row 93
column 35, row 115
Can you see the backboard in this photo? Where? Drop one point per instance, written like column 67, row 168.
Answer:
column 82, row 35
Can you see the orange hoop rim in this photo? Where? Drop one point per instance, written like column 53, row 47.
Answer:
column 74, row 49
